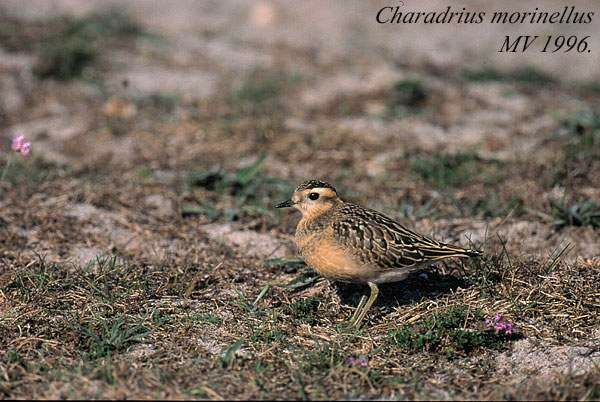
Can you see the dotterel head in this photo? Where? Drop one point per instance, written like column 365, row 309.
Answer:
column 312, row 196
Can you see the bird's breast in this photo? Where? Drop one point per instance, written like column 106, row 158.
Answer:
column 330, row 259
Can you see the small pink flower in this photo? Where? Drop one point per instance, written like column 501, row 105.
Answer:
column 500, row 325
column 25, row 149
column 360, row 361
column 505, row 327
column 19, row 145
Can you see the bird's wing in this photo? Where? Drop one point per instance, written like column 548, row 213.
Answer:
column 377, row 239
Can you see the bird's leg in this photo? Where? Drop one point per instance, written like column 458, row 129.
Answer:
column 367, row 305
column 360, row 305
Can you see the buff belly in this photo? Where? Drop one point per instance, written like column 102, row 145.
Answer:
column 331, row 262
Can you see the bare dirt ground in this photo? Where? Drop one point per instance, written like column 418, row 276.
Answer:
column 140, row 256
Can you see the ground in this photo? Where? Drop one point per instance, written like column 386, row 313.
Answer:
column 141, row 257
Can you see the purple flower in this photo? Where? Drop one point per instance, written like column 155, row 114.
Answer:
column 25, row 149
column 19, row 145
column 500, row 325
column 360, row 361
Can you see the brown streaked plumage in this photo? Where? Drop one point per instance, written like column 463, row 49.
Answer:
column 345, row 242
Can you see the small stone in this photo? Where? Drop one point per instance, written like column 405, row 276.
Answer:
column 160, row 205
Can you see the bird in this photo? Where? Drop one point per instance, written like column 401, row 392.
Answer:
column 345, row 242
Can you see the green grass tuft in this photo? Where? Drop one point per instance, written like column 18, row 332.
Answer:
column 468, row 341
column 525, row 75
column 204, row 318
column 409, row 338
column 406, row 96
column 262, row 93
column 531, row 75
column 408, row 93
column 30, row 171
column 581, row 151
column 584, row 143
column 245, row 192
column 65, row 58
column 590, row 86
column 483, row 74
column 112, row 335
column 443, row 170
column 164, row 102
column 268, row 337
column 229, row 353
column 305, row 310
column 259, row 91
column 583, row 213
column 582, row 122
column 66, row 54
column 322, row 360
column 456, row 329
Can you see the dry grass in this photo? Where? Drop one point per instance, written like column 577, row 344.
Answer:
column 127, row 271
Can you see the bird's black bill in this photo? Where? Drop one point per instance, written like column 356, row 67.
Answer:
column 285, row 204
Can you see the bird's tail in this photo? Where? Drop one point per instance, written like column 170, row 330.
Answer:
column 446, row 251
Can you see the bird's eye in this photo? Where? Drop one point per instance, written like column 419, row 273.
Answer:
column 313, row 196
